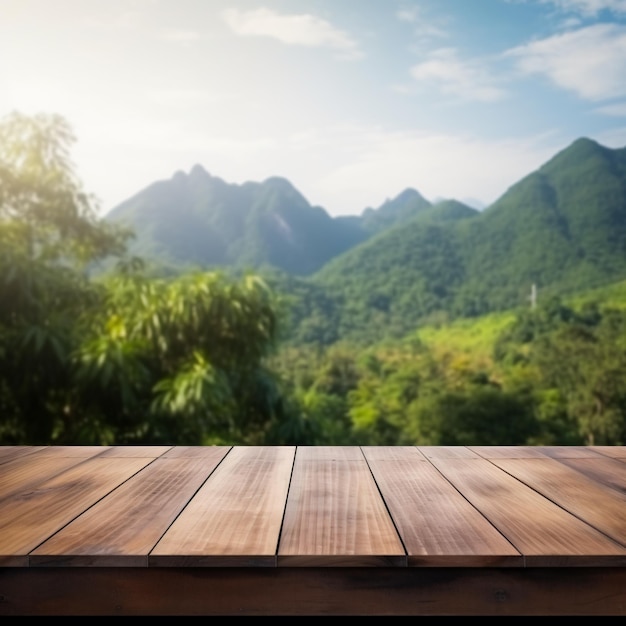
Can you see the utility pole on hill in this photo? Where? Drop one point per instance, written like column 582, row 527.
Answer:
column 533, row 296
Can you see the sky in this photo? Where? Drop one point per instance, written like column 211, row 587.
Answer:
column 352, row 101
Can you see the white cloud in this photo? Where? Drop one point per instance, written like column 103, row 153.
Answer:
column 342, row 168
column 409, row 14
column 590, row 61
column 468, row 80
column 376, row 164
column 297, row 30
column 423, row 28
column 615, row 110
column 588, row 8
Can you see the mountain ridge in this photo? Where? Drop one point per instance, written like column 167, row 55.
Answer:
column 561, row 227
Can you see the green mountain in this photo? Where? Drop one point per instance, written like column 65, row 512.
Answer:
column 197, row 219
column 395, row 211
column 562, row 229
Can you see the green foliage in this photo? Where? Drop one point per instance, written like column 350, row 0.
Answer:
column 588, row 366
column 378, row 293
column 484, row 415
column 562, row 228
column 48, row 235
column 181, row 359
column 399, row 210
column 45, row 212
column 125, row 358
column 390, row 384
column 382, row 274
column 470, row 338
column 154, row 354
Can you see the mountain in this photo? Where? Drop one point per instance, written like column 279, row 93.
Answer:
column 197, row 219
column 562, row 228
column 394, row 211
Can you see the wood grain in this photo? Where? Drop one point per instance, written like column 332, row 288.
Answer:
column 84, row 452
column 8, row 453
column 508, row 452
column 447, row 452
column 438, row 526
column 25, row 472
column 314, row 592
column 150, row 452
column 541, row 530
column 27, row 518
column 615, row 452
column 605, row 470
column 598, row 505
column 334, row 509
column 124, row 526
column 191, row 452
column 312, row 530
column 568, row 452
column 235, row 517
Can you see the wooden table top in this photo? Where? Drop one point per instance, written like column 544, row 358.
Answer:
column 288, row 506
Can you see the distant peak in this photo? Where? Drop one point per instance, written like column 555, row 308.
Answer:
column 197, row 170
column 585, row 140
column 277, row 181
column 408, row 194
column 578, row 151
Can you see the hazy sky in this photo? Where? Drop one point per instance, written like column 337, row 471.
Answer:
column 353, row 101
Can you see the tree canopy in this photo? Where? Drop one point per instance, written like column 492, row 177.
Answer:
column 124, row 356
column 121, row 358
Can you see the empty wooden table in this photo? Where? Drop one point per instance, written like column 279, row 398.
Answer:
column 312, row 530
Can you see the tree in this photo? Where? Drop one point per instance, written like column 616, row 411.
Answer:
column 120, row 358
column 483, row 416
column 43, row 208
column 588, row 366
column 49, row 233
column 180, row 360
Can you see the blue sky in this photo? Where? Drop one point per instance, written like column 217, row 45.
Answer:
column 353, row 101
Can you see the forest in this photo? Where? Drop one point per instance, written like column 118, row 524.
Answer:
column 124, row 356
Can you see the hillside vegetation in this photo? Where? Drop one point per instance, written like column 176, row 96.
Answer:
column 560, row 229
column 399, row 341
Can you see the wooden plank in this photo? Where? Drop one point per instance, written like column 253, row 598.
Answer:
column 189, row 452
column 508, row 452
column 8, row 453
column 542, row 531
column 235, row 517
column 122, row 528
column 27, row 471
column 306, row 592
column 335, row 515
column 600, row 506
column 28, row 518
column 606, row 470
column 437, row 525
column 84, row 452
column 145, row 452
column 446, row 452
column 568, row 452
column 615, row 452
